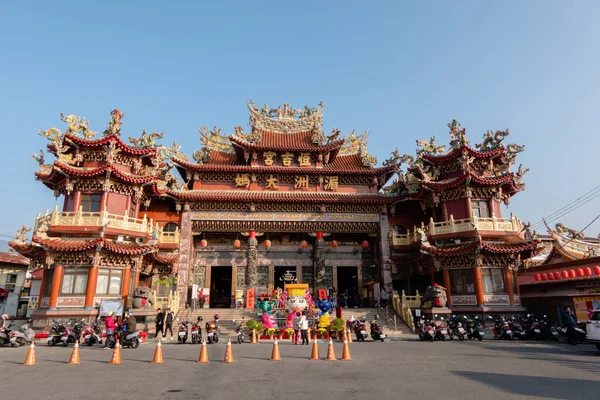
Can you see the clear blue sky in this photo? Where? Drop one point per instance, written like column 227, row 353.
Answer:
column 400, row 69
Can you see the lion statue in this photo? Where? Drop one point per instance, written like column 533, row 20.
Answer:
column 435, row 295
column 143, row 298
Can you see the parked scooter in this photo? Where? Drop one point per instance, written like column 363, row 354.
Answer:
column 182, row 335
column 197, row 331
column 131, row 340
column 56, row 333
column 72, row 332
column 549, row 330
column 211, row 332
column 475, row 329
column 93, row 333
column 517, row 329
column 377, row 332
column 502, row 329
column 5, row 334
column 23, row 335
column 532, row 327
column 360, row 330
column 456, row 329
column 240, row 331
column 441, row 331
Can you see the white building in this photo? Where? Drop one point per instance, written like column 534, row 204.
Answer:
column 14, row 295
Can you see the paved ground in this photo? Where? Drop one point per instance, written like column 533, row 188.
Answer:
column 399, row 369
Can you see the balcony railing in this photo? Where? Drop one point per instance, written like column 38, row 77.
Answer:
column 168, row 237
column 94, row 219
column 399, row 239
column 507, row 225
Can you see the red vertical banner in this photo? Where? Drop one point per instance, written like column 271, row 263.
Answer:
column 322, row 294
column 250, row 298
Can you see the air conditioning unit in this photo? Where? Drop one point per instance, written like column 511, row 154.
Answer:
column 140, row 240
column 457, row 241
column 439, row 242
column 120, row 238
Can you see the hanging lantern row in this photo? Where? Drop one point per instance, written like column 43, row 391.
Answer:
column 571, row 274
column 203, row 243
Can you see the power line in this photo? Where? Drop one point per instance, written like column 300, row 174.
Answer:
column 569, row 207
column 573, row 209
column 581, row 231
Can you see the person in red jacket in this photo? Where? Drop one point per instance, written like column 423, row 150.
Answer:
column 111, row 325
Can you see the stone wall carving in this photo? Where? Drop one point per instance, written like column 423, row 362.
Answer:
column 251, row 269
column 183, row 266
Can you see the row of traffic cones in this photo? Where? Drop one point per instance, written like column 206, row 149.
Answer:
column 203, row 358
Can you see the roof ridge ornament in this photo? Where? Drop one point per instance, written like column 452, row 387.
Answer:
column 492, row 140
column 429, row 147
column 78, row 126
column 211, row 140
column 458, row 137
column 286, row 119
column 114, row 124
column 146, row 141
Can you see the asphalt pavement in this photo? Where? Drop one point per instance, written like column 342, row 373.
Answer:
column 396, row 369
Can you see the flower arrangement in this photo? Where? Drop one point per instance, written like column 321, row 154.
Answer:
column 289, row 331
column 271, row 332
column 322, row 331
column 337, row 325
column 255, row 325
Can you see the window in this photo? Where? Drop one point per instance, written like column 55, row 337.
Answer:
column 480, row 208
column 461, row 281
column 49, row 278
column 74, row 281
column 90, row 202
column 493, row 280
column 132, row 210
column 109, row 281
column 11, row 282
column 170, row 227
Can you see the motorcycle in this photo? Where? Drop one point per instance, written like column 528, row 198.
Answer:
column 211, row 332
column 532, row 327
column 580, row 334
column 5, row 334
column 502, row 329
column 517, row 329
column 549, row 331
column 56, row 332
column 23, row 335
column 456, row 329
column 131, row 340
column 475, row 329
column 240, row 332
column 377, row 332
column 72, row 332
column 360, row 330
column 182, row 335
column 92, row 333
column 196, row 333
column 441, row 331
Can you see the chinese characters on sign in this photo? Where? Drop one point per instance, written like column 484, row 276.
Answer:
column 304, row 159
column 287, row 158
column 272, row 183
column 331, row 183
column 242, row 180
column 301, row 182
column 269, row 157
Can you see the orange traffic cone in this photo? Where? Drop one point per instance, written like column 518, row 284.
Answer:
column 346, row 352
column 75, row 354
column 116, row 357
column 314, row 355
column 30, row 359
column 203, row 354
column 158, row 358
column 330, row 352
column 349, row 335
column 309, row 335
column 253, row 340
column 228, row 353
column 275, row 353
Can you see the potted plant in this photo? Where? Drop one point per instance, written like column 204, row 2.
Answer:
column 270, row 332
column 336, row 329
column 323, row 333
column 290, row 333
column 256, row 326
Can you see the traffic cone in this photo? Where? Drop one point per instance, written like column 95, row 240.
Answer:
column 314, row 355
column 116, row 357
column 228, row 353
column 275, row 353
column 330, row 352
column 30, row 359
column 346, row 352
column 253, row 339
column 349, row 335
column 75, row 354
column 158, row 358
column 203, row 354
column 309, row 335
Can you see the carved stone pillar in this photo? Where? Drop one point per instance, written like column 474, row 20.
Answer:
column 319, row 259
column 252, row 254
column 184, row 265
column 384, row 254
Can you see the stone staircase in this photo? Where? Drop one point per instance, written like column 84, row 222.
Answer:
column 386, row 323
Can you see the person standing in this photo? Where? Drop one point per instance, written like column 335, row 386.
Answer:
column 296, row 326
column 570, row 322
column 304, row 327
column 111, row 326
column 169, row 323
column 160, row 320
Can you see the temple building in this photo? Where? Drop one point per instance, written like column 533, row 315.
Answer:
column 565, row 273
column 283, row 202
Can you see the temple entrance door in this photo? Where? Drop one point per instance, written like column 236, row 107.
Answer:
column 283, row 275
column 347, row 283
column 220, row 287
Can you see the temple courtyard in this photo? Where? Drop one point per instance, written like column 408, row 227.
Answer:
column 398, row 369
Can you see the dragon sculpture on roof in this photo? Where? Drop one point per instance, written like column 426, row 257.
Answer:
column 78, row 126
column 492, row 140
column 145, row 141
column 429, row 147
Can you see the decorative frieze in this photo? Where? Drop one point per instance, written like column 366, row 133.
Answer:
column 284, row 226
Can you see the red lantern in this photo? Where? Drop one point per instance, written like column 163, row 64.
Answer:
column 538, row 277
column 544, row 277
column 597, row 270
column 572, row 273
column 580, row 272
column 334, row 243
column 588, row 271
column 557, row 276
column 267, row 243
column 365, row 244
column 550, row 276
column 203, row 243
column 304, row 244
column 565, row 275
column 237, row 243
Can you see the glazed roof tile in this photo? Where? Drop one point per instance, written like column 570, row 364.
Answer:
column 497, row 248
column 298, row 141
column 93, row 143
column 92, row 172
column 457, row 152
column 13, row 258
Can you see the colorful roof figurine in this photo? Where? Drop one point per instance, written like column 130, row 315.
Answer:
column 570, row 244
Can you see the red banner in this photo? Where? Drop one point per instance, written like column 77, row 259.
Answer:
column 322, row 294
column 250, row 298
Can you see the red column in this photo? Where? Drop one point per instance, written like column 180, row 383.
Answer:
column 56, row 281
column 125, row 284
column 447, row 286
column 490, row 204
column 478, row 278
column 444, row 211
column 469, row 207
column 104, row 201
column 136, row 281
column 252, row 234
column 76, row 201
column 90, row 292
column 42, row 286
column 508, row 281
column 319, row 235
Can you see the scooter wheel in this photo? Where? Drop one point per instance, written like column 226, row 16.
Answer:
column 555, row 338
column 16, row 344
column 89, row 343
column 65, row 343
column 510, row 338
column 135, row 344
column 193, row 340
column 382, row 340
column 480, row 338
column 431, row 339
column 461, row 337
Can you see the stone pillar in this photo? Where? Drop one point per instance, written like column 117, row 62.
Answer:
column 299, row 273
column 447, row 286
column 508, row 282
column 319, row 260
column 251, row 254
column 271, row 279
column 384, row 254
column 184, row 264
column 478, row 279
column 90, row 292
column 56, row 281
column 125, row 283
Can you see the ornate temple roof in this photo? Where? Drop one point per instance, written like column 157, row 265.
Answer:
column 478, row 246
column 569, row 244
column 13, row 258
